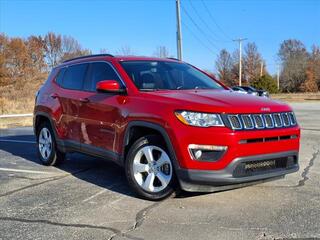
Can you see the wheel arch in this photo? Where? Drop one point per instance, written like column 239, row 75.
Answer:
column 150, row 128
column 40, row 117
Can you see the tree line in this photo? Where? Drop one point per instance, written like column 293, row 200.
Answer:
column 22, row 59
column 30, row 59
column 299, row 69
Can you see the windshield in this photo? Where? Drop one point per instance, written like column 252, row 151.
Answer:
column 249, row 88
column 156, row 75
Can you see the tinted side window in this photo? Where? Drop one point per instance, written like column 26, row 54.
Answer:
column 74, row 76
column 98, row 72
column 59, row 78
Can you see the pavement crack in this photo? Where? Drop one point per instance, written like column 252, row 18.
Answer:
column 22, row 220
column 142, row 214
column 139, row 219
column 305, row 172
column 43, row 182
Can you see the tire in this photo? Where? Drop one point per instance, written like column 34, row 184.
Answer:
column 47, row 150
column 149, row 169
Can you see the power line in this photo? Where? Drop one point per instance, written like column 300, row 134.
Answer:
column 215, row 22
column 199, row 28
column 197, row 38
column 204, row 22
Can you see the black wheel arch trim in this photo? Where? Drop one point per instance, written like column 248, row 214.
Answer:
column 46, row 115
column 153, row 126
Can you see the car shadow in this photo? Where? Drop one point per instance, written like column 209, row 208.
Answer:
column 97, row 171
column 94, row 170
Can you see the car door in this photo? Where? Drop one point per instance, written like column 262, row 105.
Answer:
column 100, row 116
column 70, row 99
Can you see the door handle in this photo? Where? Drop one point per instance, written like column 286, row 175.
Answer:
column 54, row 95
column 84, row 100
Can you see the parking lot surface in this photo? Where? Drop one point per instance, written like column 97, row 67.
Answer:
column 88, row 198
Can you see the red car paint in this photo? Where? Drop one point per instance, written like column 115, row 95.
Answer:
column 101, row 120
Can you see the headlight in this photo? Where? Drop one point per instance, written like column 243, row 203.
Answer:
column 199, row 119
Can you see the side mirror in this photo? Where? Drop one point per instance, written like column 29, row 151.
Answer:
column 110, row 86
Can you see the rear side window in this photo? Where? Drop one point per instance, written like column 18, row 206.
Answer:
column 59, row 78
column 74, row 76
column 98, row 72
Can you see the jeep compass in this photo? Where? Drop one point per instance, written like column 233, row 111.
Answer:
column 170, row 125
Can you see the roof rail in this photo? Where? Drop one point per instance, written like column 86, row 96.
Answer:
column 172, row 58
column 87, row 56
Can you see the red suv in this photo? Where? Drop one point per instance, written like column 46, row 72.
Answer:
column 169, row 124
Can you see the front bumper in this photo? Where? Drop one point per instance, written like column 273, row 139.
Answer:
column 240, row 172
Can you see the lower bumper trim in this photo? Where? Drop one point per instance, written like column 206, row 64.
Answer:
column 200, row 180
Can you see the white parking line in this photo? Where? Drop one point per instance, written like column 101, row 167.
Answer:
column 17, row 141
column 23, row 171
column 95, row 195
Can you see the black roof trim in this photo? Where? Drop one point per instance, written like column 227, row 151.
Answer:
column 172, row 58
column 88, row 56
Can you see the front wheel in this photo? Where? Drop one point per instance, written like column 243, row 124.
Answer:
column 149, row 169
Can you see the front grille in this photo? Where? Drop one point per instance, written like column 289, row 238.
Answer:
column 261, row 121
column 250, row 168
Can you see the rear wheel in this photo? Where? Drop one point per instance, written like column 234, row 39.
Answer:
column 47, row 147
column 149, row 169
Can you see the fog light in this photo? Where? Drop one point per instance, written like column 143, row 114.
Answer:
column 198, row 154
column 209, row 153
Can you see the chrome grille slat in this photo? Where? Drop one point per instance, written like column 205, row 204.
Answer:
column 277, row 120
column 235, row 122
column 268, row 120
column 258, row 121
column 247, row 121
column 285, row 118
column 261, row 121
column 293, row 120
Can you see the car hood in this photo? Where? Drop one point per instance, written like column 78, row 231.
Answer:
column 219, row 101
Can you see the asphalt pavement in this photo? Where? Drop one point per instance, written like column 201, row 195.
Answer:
column 89, row 198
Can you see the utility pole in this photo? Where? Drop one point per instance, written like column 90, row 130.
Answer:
column 261, row 68
column 179, row 35
column 278, row 76
column 240, row 57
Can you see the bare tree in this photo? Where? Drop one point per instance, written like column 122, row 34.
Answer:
column 125, row 50
column 104, row 50
column 224, row 67
column 235, row 67
column 162, row 52
column 71, row 48
column 294, row 58
column 53, row 48
column 251, row 63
